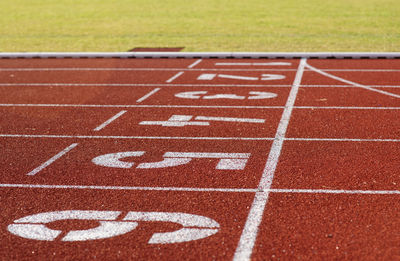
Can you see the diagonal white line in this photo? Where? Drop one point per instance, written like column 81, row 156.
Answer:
column 174, row 77
column 54, row 158
column 250, row 231
column 148, row 95
column 113, row 118
column 195, row 63
column 351, row 83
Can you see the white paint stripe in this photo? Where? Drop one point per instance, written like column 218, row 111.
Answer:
column 113, row 118
column 340, row 191
column 207, row 155
column 143, row 84
column 138, row 106
column 254, row 64
column 240, row 190
column 128, row 137
column 345, row 86
column 188, row 138
column 186, row 85
column 250, row 231
column 148, row 95
column 205, row 118
column 226, row 76
column 333, row 139
column 192, row 106
column 36, row 69
column 352, row 83
column 195, row 63
column 174, row 77
column 186, row 189
column 53, row 159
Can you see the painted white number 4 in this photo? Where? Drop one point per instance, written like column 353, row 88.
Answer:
column 194, row 227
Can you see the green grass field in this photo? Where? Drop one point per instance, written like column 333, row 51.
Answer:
column 200, row 25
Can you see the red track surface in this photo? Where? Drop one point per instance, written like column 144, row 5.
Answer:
column 199, row 159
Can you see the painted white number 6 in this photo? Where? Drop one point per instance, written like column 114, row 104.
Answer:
column 194, row 227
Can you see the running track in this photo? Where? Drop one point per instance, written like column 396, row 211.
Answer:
column 190, row 159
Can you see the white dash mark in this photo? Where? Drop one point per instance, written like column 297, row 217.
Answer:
column 250, row 230
column 54, row 158
column 174, row 77
column 206, row 76
column 148, row 95
column 113, row 118
column 195, row 63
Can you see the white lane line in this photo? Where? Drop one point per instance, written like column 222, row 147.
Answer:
column 337, row 191
column 51, row 160
column 142, row 69
column 174, row 77
column 140, row 106
column 352, row 83
column 254, row 64
column 343, row 140
column 345, row 86
column 240, row 190
column 148, row 95
column 193, row 69
column 195, row 63
column 250, row 231
column 186, row 189
column 189, row 138
column 113, row 118
column 192, row 106
column 186, row 85
column 141, row 85
column 128, row 137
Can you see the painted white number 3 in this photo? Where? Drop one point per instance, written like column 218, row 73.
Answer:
column 194, row 227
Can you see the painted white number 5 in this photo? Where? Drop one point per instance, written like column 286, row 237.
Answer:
column 194, row 227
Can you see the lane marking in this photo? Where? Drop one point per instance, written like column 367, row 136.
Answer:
column 229, row 119
column 195, row 106
column 128, row 137
column 107, row 122
column 337, row 191
column 253, row 95
column 141, row 106
column 142, row 84
column 89, row 187
column 148, row 95
column 348, row 139
column 142, row 69
column 254, row 64
column 185, row 120
column 345, row 86
column 250, row 230
column 352, row 83
column 195, row 63
column 187, row 189
column 53, row 159
column 174, row 77
column 190, row 69
column 264, row 77
column 227, row 161
column 193, row 227
column 187, row 138
column 187, row 85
